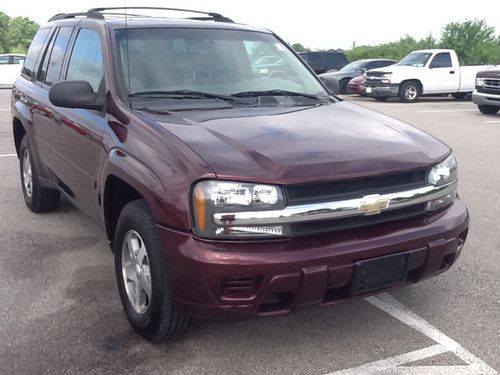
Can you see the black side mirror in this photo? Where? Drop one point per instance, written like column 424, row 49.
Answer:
column 75, row 94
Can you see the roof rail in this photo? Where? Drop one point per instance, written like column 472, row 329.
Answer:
column 97, row 13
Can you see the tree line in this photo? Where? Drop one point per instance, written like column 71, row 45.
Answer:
column 474, row 41
column 16, row 33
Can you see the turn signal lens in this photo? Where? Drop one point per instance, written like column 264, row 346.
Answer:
column 200, row 208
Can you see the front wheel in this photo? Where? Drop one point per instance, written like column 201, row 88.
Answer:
column 141, row 276
column 409, row 92
column 488, row 109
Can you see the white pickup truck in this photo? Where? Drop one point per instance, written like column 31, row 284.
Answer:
column 424, row 72
column 10, row 68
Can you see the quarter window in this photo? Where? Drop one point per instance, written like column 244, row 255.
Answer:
column 34, row 51
column 86, row 63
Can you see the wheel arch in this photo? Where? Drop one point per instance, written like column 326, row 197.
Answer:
column 18, row 132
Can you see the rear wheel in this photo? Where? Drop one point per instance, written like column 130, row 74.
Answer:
column 488, row 109
column 409, row 92
column 37, row 198
column 141, row 276
column 460, row 95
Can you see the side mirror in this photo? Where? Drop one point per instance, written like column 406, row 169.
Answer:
column 75, row 94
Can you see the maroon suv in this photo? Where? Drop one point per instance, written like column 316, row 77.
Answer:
column 225, row 192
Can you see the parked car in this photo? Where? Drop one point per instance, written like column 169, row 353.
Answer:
column 337, row 81
column 487, row 93
column 322, row 62
column 10, row 68
column 354, row 86
column 224, row 193
column 425, row 72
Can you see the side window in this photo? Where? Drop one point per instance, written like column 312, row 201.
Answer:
column 18, row 60
column 86, row 63
column 372, row 65
column 4, row 60
column 34, row 51
column 385, row 63
column 441, row 60
column 57, row 55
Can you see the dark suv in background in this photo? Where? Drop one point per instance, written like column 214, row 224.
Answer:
column 225, row 192
column 322, row 62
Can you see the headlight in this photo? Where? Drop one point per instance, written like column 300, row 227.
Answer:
column 386, row 78
column 480, row 81
column 444, row 173
column 441, row 174
column 210, row 197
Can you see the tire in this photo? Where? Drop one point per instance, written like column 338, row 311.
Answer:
column 343, row 86
column 460, row 95
column 488, row 109
column 155, row 316
column 37, row 198
column 409, row 92
column 380, row 98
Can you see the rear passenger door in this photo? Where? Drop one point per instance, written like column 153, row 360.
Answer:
column 77, row 144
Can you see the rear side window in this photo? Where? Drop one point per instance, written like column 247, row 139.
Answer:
column 441, row 60
column 86, row 63
column 57, row 55
column 34, row 52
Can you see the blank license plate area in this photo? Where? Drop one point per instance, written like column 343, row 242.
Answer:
column 379, row 273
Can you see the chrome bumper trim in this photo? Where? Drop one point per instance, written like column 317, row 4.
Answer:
column 367, row 205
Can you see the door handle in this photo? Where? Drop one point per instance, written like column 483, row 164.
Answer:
column 452, row 72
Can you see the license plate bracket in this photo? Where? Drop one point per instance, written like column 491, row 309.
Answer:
column 379, row 273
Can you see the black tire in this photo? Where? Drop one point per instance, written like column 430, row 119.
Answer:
column 460, row 95
column 381, row 98
column 161, row 320
column 343, row 86
column 409, row 92
column 488, row 109
column 37, row 198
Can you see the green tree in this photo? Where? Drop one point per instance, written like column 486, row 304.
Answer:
column 297, row 47
column 21, row 32
column 4, row 30
column 473, row 40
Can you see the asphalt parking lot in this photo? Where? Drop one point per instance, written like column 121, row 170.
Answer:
column 60, row 311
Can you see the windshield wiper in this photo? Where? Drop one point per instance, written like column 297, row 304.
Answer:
column 190, row 94
column 250, row 94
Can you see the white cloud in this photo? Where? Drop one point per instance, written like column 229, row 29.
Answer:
column 314, row 23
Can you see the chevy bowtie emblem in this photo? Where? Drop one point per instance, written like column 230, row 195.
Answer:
column 373, row 204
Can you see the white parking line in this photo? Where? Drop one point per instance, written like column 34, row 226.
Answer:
column 4, row 109
column 401, row 364
column 7, row 155
column 493, row 122
column 446, row 110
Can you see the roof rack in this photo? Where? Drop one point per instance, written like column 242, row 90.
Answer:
column 97, row 13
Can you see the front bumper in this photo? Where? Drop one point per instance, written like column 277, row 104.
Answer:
column 386, row 90
column 228, row 279
column 481, row 98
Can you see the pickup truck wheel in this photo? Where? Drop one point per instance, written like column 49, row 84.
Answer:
column 460, row 95
column 488, row 109
column 141, row 276
column 37, row 198
column 409, row 92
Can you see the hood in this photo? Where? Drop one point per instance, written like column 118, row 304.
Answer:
column 299, row 145
column 490, row 73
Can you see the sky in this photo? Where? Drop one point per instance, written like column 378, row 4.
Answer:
column 316, row 24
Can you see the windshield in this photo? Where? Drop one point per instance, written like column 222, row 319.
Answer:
column 209, row 61
column 417, row 59
column 353, row 66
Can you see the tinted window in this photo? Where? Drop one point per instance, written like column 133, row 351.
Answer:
column 18, row 59
column 42, row 69
column 57, row 55
column 34, row 51
column 441, row 60
column 385, row 63
column 372, row 65
column 4, row 60
column 86, row 62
